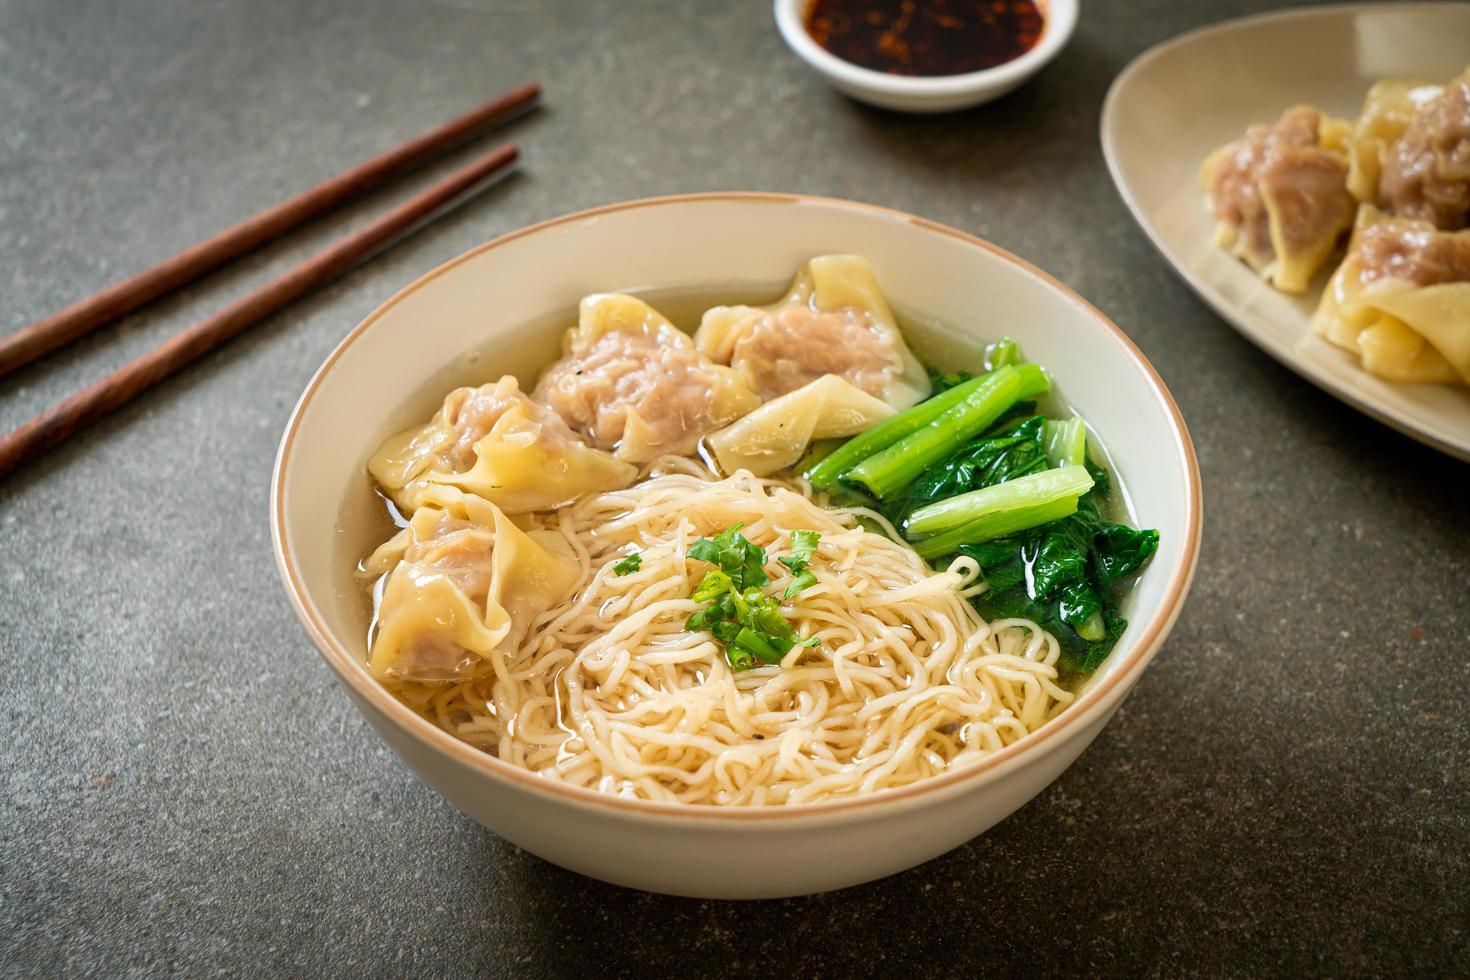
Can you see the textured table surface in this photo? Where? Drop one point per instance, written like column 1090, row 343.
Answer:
column 185, row 788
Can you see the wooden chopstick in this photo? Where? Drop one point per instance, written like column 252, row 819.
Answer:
column 45, row 335
column 91, row 403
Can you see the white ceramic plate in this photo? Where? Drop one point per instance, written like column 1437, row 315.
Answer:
column 1182, row 99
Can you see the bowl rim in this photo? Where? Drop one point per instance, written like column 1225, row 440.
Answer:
column 1093, row 704
column 1059, row 20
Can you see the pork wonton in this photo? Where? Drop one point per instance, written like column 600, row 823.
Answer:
column 632, row 382
column 1426, row 171
column 1388, row 109
column 833, row 320
column 495, row 442
column 1401, row 300
column 464, row 582
column 1279, row 195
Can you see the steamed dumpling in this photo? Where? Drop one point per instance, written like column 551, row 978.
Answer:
column 1388, row 109
column 775, row 435
column 632, row 382
column 1401, row 300
column 464, row 582
column 833, row 320
column 1426, row 171
column 1279, row 195
column 495, row 442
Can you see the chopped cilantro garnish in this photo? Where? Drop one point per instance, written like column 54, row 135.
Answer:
column 742, row 618
column 742, row 561
column 803, row 546
column 799, row 583
column 628, row 565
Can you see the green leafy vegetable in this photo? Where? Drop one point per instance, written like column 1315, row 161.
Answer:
column 816, row 452
column 825, row 474
column 628, row 565
column 887, row 472
column 1080, row 607
column 941, row 381
column 1067, row 576
column 1122, row 550
column 1014, row 451
column 1044, row 548
column 997, row 524
column 1003, row 353
column 1066, row 442
column 1030, row 491
column 836, row 465
column 1057, row 555
column 746, row 621
column 1017, row 413
column 973, row 470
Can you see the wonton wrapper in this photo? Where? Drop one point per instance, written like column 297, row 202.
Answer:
column 527, row 460
column 775, row 435
column 632, row 382
column 1411, row 150
column 1388, row 109
column 465, row 581
column 1402, row 331
column 1287, row 181
column 829, row 284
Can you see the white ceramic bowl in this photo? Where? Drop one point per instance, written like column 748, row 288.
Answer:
column 941, row 93
column 500, row 307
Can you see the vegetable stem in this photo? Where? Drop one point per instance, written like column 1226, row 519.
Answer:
column 1022, row 492
column 831, row 468
column 1034, row 381
column 825, row 474
column 997, row 525
column 1005, row 352
column 887, row 472
column 1066, row 441
column 1093, row 628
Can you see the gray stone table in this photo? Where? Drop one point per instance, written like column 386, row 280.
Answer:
column 186, row 790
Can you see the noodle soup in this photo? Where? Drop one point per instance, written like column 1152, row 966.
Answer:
column 805, row 552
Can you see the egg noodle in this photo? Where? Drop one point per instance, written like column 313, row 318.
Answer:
column 611, row 692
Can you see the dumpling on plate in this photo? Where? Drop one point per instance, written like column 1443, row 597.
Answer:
column 775, row 435
column 1279, row 195
column 463, row 582
column 632, row 382
column 1401, row 300
column 1388, row 109
column 496, row 443
column 1426, row 170
column 833, row 320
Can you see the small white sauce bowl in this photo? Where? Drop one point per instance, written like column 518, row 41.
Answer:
column 933, row 93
